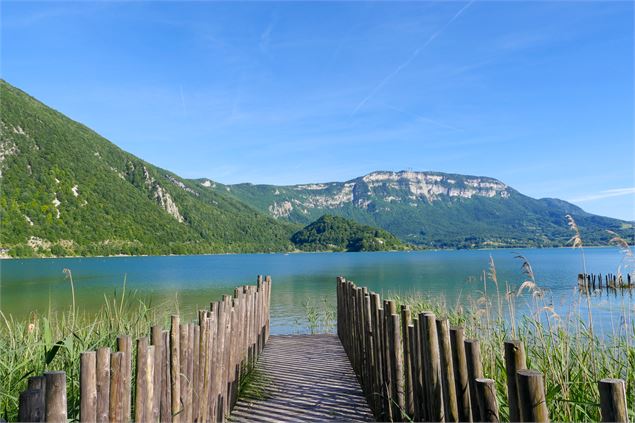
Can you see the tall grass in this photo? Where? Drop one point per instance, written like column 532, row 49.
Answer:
column 564, row 348
column 55, row 340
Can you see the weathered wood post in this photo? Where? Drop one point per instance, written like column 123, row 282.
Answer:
column 486, row 393
column 462, row 386
column 31, row 405
column 175, row 363
column 156, row 339
column 103, row 384
column 141, row 397
column 531, row 394
column 124, row 344
column 116, row 400
column 407, row 360
column 55, row 397
column 166, row 385
column 613, row 400
column 88, row 386
column 447, row 371
column 474, row 371
column 436, row 408
column 514, row 361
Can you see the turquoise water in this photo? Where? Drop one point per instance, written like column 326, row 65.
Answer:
column 34, row 285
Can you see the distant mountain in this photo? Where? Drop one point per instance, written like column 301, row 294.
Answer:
column 332, row 233
column 66, row 190
column 432, row 209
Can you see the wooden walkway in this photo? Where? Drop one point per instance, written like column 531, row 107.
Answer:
column 304, row 378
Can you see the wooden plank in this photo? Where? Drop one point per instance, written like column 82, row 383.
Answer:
column 327, row 390
column 55, row 397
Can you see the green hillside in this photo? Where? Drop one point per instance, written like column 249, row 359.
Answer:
column 331, row 233
column 434, row 209
column 67, row 190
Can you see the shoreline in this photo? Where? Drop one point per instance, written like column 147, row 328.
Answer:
column 303, row 252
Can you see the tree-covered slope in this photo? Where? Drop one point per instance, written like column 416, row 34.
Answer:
column 66, row 190
column 332, row 233
column 434, row 209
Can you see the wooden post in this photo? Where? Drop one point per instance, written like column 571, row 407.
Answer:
column 514, row 361
column 31, row 405
column 156, row 339
column 407, row 360
column 183, row 357
column 414, row 373
column 486, row 393
column 116, row 400
column 175, row 368
column 474, row 371
column 166, row 387
column 103, row 384
column 396, row 361
column 149, row 382
column 447, row 371
column 432, row 368
column 88, row 386
column 457, row 342
column 124, row 344
column 196, row 372
column 55, row 408
column 531, row 394
column 613, row 400
column 141, row 397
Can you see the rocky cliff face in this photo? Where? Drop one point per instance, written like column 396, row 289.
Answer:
column 429, row 208
column 377, row 188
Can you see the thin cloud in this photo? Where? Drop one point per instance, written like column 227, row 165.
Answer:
column 617, row 192
column 423, row 118
column 412, row 57
column 265, row 36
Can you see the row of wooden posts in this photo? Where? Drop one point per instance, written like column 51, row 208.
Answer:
column 189, row 373
column 591, row 282
column 422, row 369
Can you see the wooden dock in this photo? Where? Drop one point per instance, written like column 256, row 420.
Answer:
column 304, row 378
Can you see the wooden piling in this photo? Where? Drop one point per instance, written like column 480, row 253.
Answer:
column 88, row 386
column 613, row 400
column 457, row 342
column 486, row 393
column 436, row 408
column 103, row 384
column 141, row 397
column 407, row 360
column 447, row 371
column 165, row 407
column 514, row 361
column 474, row 371
column 124, row 344
column 31, row 405
column 116, row 399
column 175, row 373
column 156, row 339
column 55, row 408
column 531, row 395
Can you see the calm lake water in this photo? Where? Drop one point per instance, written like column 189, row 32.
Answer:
column 35, row 285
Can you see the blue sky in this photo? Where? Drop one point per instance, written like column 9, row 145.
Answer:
column 537, row 94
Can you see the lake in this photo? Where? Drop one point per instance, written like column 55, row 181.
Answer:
column 35, row 285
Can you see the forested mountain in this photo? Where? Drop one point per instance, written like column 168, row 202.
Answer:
column 433, row 209
column 67, row 190
column 332, row 233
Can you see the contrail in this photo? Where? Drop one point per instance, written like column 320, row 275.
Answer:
column 412, row 57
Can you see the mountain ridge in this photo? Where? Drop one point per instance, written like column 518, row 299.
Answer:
column 66, row 190
column 431, row 209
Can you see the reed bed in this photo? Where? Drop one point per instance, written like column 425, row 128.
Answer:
column 54, row 341
column 566, row 349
